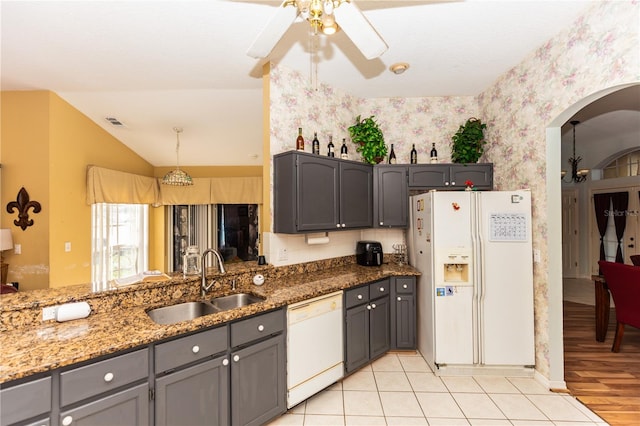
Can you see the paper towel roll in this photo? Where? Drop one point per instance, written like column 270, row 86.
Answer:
column 71, row 311
column 316, row 239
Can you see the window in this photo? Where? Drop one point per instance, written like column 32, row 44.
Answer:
column 623, row 166
column 232, row 229
column 120, row 240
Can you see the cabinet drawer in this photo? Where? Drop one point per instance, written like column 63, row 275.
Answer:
column 257, row 327
column 378, row 289
column 102, row 376
column 191, row 348
column 356, row 296
column 405, row 285
column 25, row 400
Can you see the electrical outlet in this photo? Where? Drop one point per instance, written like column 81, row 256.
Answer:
column 283, row 254
column 17, row 248
column 536, row 255
column 67, row 246
column 49, row 313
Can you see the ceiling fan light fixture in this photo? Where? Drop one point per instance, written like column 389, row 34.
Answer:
column 399, row 67
column 177, row 177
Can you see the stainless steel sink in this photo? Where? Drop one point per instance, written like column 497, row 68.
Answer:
column 233, row 301
column 181, row 312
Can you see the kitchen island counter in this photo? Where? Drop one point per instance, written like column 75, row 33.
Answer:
column 119, row 322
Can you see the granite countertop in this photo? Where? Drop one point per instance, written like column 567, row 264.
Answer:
column 122, row 322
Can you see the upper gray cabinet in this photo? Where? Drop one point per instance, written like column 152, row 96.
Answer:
column 315, row 193
column 391, row 196
column 451, row 176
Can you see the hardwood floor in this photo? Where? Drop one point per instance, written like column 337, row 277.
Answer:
column 606, row 382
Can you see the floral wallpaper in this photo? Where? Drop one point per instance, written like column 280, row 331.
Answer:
column 598, row 51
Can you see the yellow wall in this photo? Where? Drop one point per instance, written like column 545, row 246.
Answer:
column 46, row 147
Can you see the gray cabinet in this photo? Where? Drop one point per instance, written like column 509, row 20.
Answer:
column 367, row 324
column 390, row 196
column 24, row 401
column 192, row 383
column 125, row 408
column 403, row 313
column 258, row 369
column 450, row 176
column 314, row 193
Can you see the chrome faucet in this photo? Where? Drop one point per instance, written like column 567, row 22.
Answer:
column 204, row 287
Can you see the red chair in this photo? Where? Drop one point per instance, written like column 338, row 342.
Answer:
column 635, row 259
column 624, row 283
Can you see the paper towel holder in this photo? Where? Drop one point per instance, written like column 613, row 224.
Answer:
column 318, row 238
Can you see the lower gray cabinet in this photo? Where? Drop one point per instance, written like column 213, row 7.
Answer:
column 26, row 401
column 197, row 395
column 403, row 313
column 125, row 408
column 258, row 387
column 367, row 324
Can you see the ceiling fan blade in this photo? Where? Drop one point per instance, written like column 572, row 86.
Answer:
column 274, row 30
column 359, row 30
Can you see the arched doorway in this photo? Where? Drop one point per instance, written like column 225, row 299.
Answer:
column 554, row 232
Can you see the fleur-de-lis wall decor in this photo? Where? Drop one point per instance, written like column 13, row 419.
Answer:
column 23, row 204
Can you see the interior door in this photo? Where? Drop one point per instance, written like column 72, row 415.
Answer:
column 570, row 242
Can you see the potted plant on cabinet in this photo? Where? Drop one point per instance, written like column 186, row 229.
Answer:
column 367, row 135
column 468, row 142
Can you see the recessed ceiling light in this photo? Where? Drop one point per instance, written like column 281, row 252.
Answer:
column 399, row 67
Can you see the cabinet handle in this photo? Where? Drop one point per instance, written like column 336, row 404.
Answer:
column 359, row 297
column 261, row 327
column 446, row 184
column 405, row 286
column 337, row 225
column 399, row 298
column 344, row 225
column 195, row 349
column 381, row 223
column 369, row 307
column 453, row 183
column 67, row 421
column 373, row 306
column 225, row 362
column 236, row 358
column 108, row 377
column 381, row 289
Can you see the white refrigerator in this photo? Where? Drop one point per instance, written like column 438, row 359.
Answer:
column 475, row 294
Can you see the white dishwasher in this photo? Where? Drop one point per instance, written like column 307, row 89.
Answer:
column 314, row 346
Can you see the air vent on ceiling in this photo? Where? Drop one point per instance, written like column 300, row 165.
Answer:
column 114, row 121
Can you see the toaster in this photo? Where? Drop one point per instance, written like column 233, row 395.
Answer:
column 369, row 253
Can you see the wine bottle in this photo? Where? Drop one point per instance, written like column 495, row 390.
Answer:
column 434, row 153
column 330, row 147
column 344, row 154
column 316, row 144
column 414, row 155
column 300, row 140
column 392, row 156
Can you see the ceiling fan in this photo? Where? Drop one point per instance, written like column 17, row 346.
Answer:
column 324, row 16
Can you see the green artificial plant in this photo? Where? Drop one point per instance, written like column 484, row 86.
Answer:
column 468, row 142
column 366, row 134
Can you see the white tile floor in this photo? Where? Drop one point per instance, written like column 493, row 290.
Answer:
column 400, row 389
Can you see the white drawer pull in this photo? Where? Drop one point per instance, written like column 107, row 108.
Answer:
column 337, row 225
column 195, row 349
column 369, row 307
column 359, row 297
column 373, row 306
column 225, row 362
column 381, row 223
column 236, row 358
column 399, row 298
column 261, row 327
column 108, row 377
column 67, row 420
column 381, row 289
column 405, row 286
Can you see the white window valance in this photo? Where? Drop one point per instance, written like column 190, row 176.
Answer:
column 112, row 186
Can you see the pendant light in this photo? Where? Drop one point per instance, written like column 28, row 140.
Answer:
column 577, row 175
column 177, row 177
